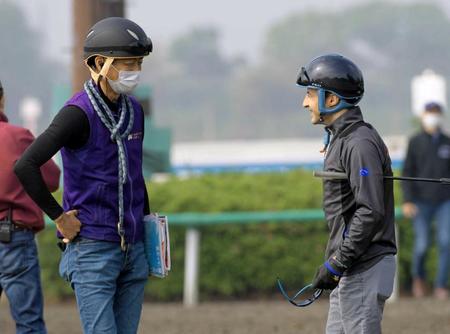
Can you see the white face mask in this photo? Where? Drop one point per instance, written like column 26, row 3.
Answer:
column 431, row 121
column 126, row 82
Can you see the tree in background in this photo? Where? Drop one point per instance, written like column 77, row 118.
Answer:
column 23, row 70
column 391, row 43
column 193, row 94
column 203, row 94
column 199, row 55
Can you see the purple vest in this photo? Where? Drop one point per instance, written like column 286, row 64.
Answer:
column 91, row 178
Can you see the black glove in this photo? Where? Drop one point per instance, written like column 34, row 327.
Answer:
column 328, row 275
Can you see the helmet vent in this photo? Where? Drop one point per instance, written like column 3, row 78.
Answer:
column 90, row 33
column 133, row 34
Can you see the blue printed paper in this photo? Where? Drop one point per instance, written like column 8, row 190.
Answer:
column 157, row 244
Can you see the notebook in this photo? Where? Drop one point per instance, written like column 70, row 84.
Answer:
column 157, row 244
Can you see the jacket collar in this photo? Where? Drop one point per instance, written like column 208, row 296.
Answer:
column 3, row 118
column 351, row 116
column 435, row 137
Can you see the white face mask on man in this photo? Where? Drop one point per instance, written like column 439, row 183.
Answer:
column 126, row 82
column 431, row 121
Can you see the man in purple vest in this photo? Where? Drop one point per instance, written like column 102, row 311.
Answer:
column 100, row 132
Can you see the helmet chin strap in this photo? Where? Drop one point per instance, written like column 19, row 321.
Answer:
column 338, row 107
column 323, row 110
column 105, row 69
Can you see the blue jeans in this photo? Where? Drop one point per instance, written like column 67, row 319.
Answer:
column 108, row 284
column 21, row 282
column 422, row 228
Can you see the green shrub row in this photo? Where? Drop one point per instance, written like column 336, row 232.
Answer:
column 237, row 261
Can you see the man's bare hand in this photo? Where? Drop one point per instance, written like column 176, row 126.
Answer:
column 409, row 210
column 68, row 225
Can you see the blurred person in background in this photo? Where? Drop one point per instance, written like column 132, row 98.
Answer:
column 20, row 220
column 100, row 133
column 428, row 156
column 359, row 263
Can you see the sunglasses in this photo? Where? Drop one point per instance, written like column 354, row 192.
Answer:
column 302, row 303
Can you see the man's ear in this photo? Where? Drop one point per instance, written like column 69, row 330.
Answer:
column 99, row 61
column 332, row 100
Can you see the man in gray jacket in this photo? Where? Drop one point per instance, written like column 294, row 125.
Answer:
column 359, row 210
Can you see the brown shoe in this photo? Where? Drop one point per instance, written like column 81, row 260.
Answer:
column 441, row 293
column 419, row 289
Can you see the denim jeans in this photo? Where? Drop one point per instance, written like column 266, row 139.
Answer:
column 108, row 284
column 422, row 228
column 21, row 282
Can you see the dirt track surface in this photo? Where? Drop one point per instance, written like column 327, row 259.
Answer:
column 258, row 317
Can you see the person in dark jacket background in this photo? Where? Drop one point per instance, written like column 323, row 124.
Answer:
column 359, row 262
column 428, row 155
column 20, row 220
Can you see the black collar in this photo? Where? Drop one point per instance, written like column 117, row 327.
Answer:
column 113, row 106
column 351, row 116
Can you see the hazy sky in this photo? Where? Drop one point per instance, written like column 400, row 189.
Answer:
column 243, row 23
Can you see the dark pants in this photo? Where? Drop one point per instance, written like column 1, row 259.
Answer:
column 357, row 304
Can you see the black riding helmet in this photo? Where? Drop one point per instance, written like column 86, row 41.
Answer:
column 334, row 73
column 117, row 37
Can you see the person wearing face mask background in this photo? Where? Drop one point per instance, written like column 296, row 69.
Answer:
column 428, row 155
column 100, row 133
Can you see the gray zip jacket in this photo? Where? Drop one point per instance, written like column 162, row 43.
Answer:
column 359, row 210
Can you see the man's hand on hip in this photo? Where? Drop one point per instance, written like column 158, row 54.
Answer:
column 68, row 225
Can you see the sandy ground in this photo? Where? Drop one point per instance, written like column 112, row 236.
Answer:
column 248, row 317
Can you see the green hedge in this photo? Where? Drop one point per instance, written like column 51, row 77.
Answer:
column 236, row 261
